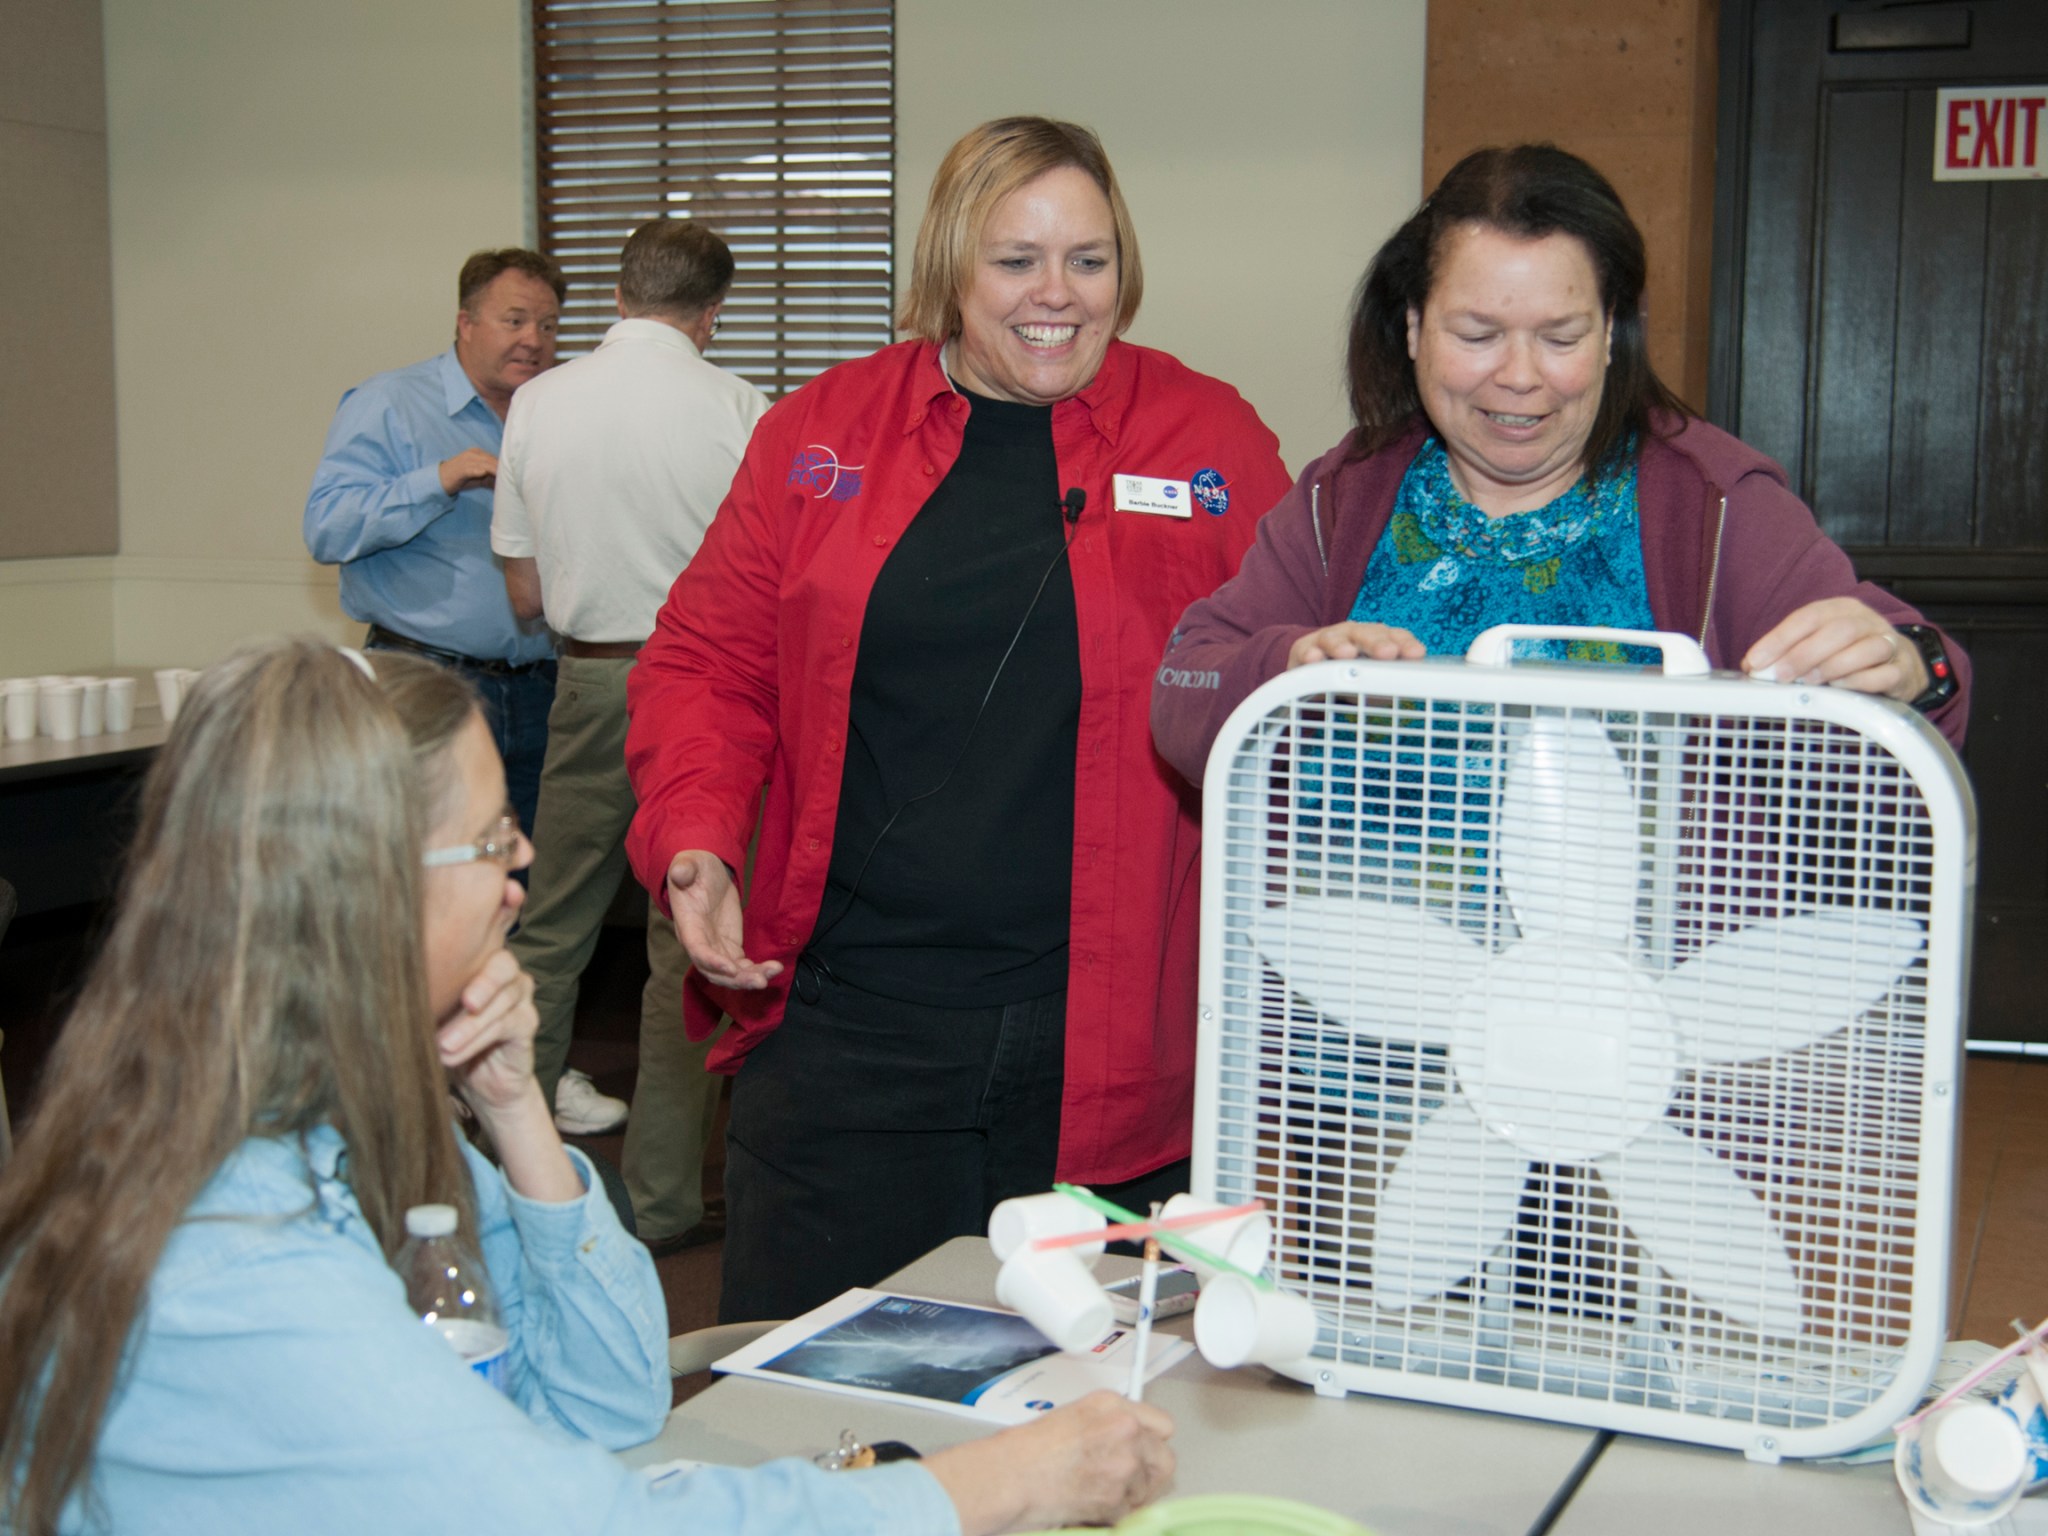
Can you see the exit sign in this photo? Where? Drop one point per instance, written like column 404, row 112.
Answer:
column 1991, row 135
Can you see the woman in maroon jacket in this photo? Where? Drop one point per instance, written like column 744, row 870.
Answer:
column 1516, row 460
column 925, row 622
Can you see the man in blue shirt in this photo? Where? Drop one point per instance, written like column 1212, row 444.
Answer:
column 402, row 503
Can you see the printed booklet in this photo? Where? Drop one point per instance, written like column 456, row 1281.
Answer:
column 977, row 1361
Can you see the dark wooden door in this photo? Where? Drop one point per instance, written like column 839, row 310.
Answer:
column 1884, row 336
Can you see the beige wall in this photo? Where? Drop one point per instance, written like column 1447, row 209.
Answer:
column 1265, row 151
column 293, row 186
column 294, row 183
column 57, row 496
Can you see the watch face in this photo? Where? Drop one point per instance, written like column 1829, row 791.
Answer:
column 1941, row 672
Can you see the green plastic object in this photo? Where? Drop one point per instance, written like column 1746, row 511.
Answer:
column 1233, row 1514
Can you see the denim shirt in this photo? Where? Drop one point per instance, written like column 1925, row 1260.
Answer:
column 279, row 1381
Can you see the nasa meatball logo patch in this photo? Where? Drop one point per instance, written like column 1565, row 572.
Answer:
column 1211, row 490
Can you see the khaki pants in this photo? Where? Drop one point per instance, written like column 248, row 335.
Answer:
column 579, row 836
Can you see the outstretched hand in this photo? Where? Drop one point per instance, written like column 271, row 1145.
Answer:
column 706, row 906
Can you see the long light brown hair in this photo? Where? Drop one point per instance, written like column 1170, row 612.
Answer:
column 263, row 974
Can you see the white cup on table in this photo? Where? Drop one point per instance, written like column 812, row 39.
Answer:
column 170, row 691
column 1239, row 1323
column 18, row 697
column 1243, row 1241
column 1022, row 1220
column 60, row 703
column 92, row 705
column 1053, row 1290
column 120, row 705
column 42, row 703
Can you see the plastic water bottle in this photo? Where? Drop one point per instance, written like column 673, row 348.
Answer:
column 448, row 1290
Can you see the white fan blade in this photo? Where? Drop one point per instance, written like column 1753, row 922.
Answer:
column 1705, row 1228
column 1450, row 1201
column 1570, row 841
column 1377, row 967
column 1779, row 986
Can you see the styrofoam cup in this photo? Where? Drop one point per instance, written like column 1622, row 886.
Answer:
column 1024, row 1219
column 170, row 688
column 1056, row 1295
column 120, row 704
column 1965, row 1465
column 1238, row 1323
column 92, row 705
column 1243, row 1240
column 20, row 696
column 43, row 704
column 59, row 702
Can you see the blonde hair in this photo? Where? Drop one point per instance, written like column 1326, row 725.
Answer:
column 985, row 167
column 264, row 974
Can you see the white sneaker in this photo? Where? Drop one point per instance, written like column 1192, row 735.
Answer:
column 580, row 1110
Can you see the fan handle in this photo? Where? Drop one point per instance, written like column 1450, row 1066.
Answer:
column 1495, row 647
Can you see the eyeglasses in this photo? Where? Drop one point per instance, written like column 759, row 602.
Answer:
column 500, row 846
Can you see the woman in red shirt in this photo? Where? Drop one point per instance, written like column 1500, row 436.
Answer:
column 925, row 623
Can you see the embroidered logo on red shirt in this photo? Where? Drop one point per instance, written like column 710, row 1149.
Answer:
column 817, row 469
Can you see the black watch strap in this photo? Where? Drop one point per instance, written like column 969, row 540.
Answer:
column 1941, row 672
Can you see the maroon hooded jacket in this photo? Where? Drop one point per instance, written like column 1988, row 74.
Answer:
column 1728, row 551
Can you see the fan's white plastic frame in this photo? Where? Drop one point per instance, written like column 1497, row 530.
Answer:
column 1923, row 756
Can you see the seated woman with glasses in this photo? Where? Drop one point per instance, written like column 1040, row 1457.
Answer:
column 200, row 1325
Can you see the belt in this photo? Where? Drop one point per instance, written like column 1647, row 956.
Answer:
column 380, row 638
column 601, row 650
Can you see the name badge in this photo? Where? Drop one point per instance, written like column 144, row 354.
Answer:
column 1142, row 493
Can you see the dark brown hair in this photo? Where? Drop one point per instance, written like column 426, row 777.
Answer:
column 986, row 166
column 484, row 267
column 673, row 267
column 264, row 974
column 1529, row 191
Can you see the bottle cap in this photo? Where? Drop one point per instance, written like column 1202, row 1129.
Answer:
column 430, row 1221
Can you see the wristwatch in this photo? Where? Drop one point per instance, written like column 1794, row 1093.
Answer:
column 1941, row 672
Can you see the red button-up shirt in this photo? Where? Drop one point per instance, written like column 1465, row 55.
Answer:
column 746, row 681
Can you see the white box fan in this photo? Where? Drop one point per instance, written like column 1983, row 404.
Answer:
column 1594, row 1036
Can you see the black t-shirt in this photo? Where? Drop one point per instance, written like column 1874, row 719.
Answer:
column 964, row 903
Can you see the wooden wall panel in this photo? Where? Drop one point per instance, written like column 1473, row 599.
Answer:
column 2012, row 464
column 1857, row 300
column 1941, row 299
column 1628, row 84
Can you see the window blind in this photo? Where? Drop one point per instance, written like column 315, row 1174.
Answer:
column 773, row 121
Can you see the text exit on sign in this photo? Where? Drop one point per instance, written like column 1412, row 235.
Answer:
column 2000, row 134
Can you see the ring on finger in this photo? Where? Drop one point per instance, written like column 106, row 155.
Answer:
column 1891, row 640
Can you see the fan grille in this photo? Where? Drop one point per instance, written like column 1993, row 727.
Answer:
column 1640, row 1176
